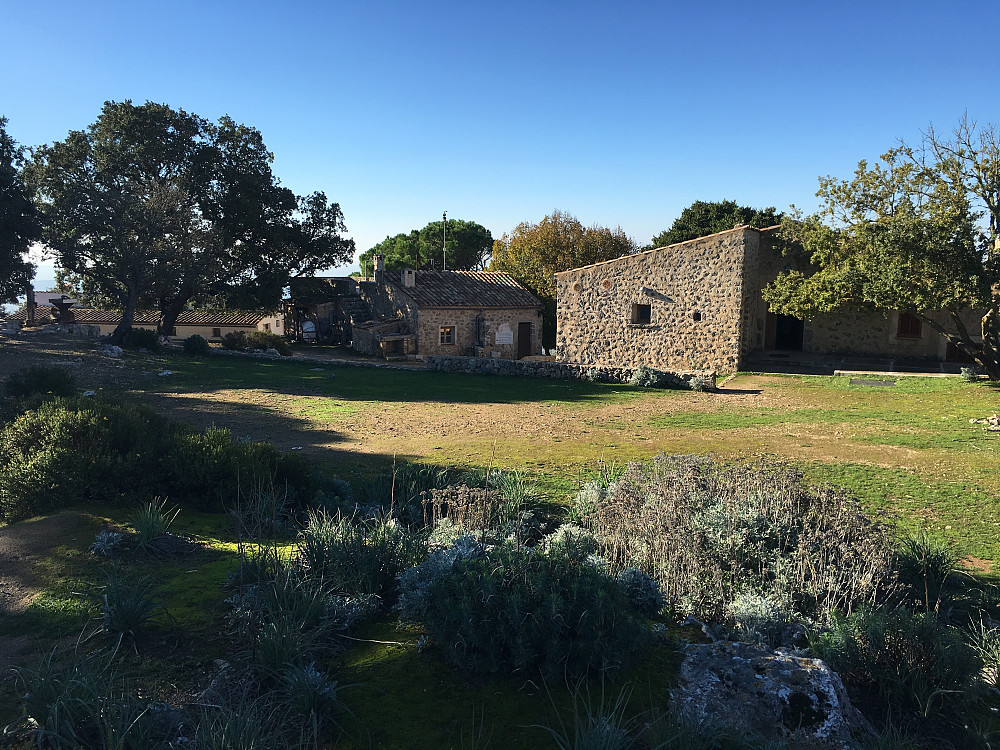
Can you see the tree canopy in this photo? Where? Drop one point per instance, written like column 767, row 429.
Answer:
column 468, row 246
column 19, row 225
column 155, row 206
column 916, row 232
column 533, row 253
column 703, row 218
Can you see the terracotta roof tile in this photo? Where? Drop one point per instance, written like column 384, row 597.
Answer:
column 88, row 315
column 484, row 289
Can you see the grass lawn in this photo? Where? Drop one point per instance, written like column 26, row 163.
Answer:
column 907, row 449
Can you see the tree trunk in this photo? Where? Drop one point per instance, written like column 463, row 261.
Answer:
column 168, row 316
column 128, row 315
column 29, row 303
column 990, row 358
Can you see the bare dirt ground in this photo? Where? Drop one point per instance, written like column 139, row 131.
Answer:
column 92, row 370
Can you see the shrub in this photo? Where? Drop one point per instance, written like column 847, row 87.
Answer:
column 40, row 381
column 971, row 374
column 107, row 543
column 358, row 558
column 642, row 592
column 313, row 696
column 141, row 338
column 515, row 609
column 415, row 583
column 249, row 340
column 708, row 531
column 897, row 660
column 648, row 377
column 593, row 375
column 73, row 451
column 196, row 346
column 697, row 383
column 127, row 606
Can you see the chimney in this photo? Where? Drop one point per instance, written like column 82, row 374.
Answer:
column 379, row 267
column 409, row 277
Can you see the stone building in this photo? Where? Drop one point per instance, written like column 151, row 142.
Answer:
column 474, row 313
column 697, row 305
column 211, row 326
column 324, row 309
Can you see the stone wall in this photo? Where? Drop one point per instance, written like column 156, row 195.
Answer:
column 697, row 293
column 526, row 368
column 497, row 335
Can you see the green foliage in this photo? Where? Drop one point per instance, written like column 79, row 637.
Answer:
column 469, row 245
column 708, row 531
column 141, row 338
column 76, row 451
column 532, row 253
column 703, row 218
column 518, row 609
column 898, row 661
column 40, row 381
column 358, row 557
column 599, row 724
column 906, row 234
column 642, row 592
column 155, row 205
column 152, row 521
column 196, row 346
column 19, row 223
column 242, row 341
column 127, row 606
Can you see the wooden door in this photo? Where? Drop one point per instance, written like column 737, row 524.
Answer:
column 523, row 340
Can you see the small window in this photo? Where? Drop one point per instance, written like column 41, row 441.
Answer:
column 447, row 335
column 216, row 333
column 267, row 327
column 642, row 314
column 909, row 327
column 696, row 316
column 173, row 331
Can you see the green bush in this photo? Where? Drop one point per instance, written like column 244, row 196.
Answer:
column 40, row 381
column 899, row 661
column 141, row 338
column 243, row 341
column 196, row 346
column 358, row 558
column 519, row 609
column 74, row 451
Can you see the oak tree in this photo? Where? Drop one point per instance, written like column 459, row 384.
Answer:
column 468, row 247
column 703, row 218
column 917, row 232
column 19, row 225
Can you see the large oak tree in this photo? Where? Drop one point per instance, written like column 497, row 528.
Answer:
column 155, row 206
column 19, row 225
column 917, row 232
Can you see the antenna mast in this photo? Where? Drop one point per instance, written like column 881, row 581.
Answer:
column 444, row 241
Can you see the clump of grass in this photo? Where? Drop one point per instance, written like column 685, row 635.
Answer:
column 599, row 724
column 127, row 606
column 152, row 521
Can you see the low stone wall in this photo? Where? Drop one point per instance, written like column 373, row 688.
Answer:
column 548, row 369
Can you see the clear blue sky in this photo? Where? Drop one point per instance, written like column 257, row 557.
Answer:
column 621, row 113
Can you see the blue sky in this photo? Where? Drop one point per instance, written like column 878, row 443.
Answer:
column 620, row 113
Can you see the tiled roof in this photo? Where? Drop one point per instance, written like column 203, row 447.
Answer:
column 465, row 289
column 88, row 315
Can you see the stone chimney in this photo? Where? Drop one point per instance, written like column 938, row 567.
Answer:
column 409, row 277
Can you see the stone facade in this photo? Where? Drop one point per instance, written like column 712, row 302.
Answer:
column 442, row 312
column 697, row 305
column 683, row 307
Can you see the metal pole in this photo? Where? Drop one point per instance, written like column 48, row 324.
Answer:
column 444, row 241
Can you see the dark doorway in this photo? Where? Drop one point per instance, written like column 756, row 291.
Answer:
column 523, row 340
column 788, row 333
column 954, row 354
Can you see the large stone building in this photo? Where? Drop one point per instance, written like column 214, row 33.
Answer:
column 476, row 313
column 697, row 305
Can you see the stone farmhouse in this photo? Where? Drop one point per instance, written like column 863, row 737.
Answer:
column 475, row 313
column 211, row 326
column 697, row 305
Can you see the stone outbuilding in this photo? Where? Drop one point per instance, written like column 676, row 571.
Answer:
column 474, row 313
column 697, row 305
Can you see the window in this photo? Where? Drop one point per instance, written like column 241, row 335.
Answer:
column 696, row 316
column 447, row 335
column 641, row 314
column 267, row 327
column 909, row 327
column 216, row 333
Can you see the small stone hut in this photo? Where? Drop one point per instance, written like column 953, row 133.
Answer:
column 474, row 313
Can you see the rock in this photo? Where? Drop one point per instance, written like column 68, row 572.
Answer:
column 166, row 372
column 772, row 694
column 90, row 394
column 111, row 351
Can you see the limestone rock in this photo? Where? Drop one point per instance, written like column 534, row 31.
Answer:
column 773, row 694
column 112, row 351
